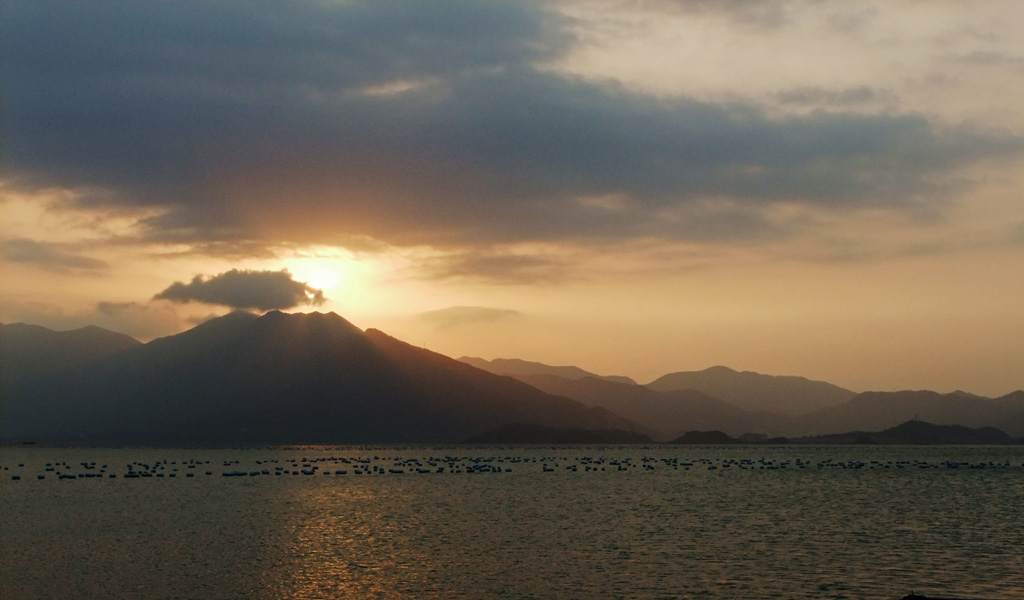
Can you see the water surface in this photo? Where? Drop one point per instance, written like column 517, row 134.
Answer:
column 513, row 522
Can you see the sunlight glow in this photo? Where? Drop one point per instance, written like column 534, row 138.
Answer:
column 324, row 274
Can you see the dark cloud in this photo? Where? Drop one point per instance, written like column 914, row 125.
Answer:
column 493, row 267
column 843, row 97
column 261, row 290
column 457, row 316
column 852, row 18
column 418, row 123
column 993, row 59
column 231, row 250
column 756, row 14
column 48, row 255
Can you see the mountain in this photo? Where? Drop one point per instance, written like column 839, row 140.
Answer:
column 316, row 378
column 1012, row 403
column 281, row 378
column 514, row 367
column 919, row 432
column 669, row 413
column 874, row 411
column 786, row 395
column 27, row 351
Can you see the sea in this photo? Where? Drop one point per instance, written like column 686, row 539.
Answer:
column 517, row 522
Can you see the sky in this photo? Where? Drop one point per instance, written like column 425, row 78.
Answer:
column 822, row 188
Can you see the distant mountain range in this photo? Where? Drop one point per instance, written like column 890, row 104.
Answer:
column 669, row 413
column 745, row 390
column 735, row 403
column 873, row 411
column 316, row 378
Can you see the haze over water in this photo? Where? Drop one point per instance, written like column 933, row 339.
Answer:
column 628, row 522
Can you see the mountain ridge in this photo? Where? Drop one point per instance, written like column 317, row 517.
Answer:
column 514, row 367
column 282, row 378
column 919, row 432
column 26, row 347
column 244, row 376
column 671, row 412
column 879, row 410
column 785, row 394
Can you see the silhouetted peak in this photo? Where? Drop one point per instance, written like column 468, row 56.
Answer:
column 23, row 327
column 97, row 334
column 210, row 333
column 963, row 394
column 233, row 318
column 326, row 331
column 916, row 431
column 791, row 395
column 914, row 425
column 329, row 318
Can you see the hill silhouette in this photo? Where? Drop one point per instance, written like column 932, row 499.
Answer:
column 788, row 395
column 280, row 378
column 316, row 378
column 668, row 413
column 875, row 411
column 514, row 367
column 740, row 403
column 27, row 351
column 921, row 433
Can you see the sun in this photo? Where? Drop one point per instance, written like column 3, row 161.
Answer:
column 351, row 284
column 325, row 273
column 316, row 277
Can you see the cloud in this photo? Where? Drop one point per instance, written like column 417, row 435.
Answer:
column 993, row 59
column 458, row 316
column 421, row 124
column 230, row 250
column 755, row 14
column 47, row 255
column 493, row 267
column 843, row 97
column 261, row 290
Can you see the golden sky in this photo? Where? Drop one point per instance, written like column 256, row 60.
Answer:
column 822, row 188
